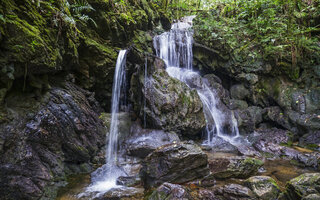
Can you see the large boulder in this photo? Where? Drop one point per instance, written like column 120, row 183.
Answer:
column 303, row 186
column 170, row 104
column 47, row 139
column 175, row 163
column 168, row 191
column 234, row 167
column 264, row 187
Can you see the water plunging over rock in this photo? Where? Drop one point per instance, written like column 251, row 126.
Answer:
column 175, row 48
column 104, row 178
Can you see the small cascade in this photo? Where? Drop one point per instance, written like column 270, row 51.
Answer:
column 175, row 48
column 104, row 178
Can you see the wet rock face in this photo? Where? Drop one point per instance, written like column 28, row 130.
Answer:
column 47, row 140
column 168, row 191
column 303, row 187
column 175, row 163
column 170, row 104
column 234, row 167
column 145, row 141
column 263, row 187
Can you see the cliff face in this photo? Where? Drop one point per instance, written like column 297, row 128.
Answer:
column 41, row 38
column 57, row 63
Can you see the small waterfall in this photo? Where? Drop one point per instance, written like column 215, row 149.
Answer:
column 104, row 178
column 175, row 48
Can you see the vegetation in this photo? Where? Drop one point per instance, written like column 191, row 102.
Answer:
column 285, row 32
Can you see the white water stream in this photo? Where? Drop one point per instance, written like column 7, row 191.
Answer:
column 104, row 178
column 175, row 48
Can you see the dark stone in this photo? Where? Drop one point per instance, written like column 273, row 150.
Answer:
column 122, row 193
column 311, row 140
column 234, row 167
column 129, row 181
column 144, row 141
column 303, row 186
column 237, row 104
column 239, row 92
column 234, row 192
column 168, row 191
column 175, row 163
column 48, row 139
column 263, row 187
column 249, row 118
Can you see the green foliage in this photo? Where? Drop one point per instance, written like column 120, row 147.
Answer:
column 79, row 10
column 277, row 30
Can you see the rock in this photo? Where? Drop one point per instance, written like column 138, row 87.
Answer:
column 170, row 104
column 263, row 187
column 48, row 139
column 305, row 122
column 168, row 191
column 249, row 118
column 234, row 167
column 204, row 194
column 3, row 92
column 237, row 104
column 239, row 92
column 309, row 159
column 215, row 83
column 129, row 181
column 234, row 192
column 207, row 181
column 193, row 80
column 122, row 193
column 212, row 79
column 312, row 197
column 221, row 145
column 311, row 140
column 303, row 186
column 175, row 163
column 273, row 135
column 145, row 141
column 276, row 115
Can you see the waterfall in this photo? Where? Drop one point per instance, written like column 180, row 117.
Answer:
column 175, row 48
column 104, row 178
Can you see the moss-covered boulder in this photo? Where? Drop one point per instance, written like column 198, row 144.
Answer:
column 263, row 187
column 303, row 186
column 169, row 104
column 234, row 167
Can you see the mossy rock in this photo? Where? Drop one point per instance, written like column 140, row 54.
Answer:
column 263, row 187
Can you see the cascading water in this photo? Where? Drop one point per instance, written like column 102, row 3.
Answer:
column 104, row 178
column 175, row 48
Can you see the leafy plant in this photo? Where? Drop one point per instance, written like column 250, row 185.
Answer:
column 78, row 10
